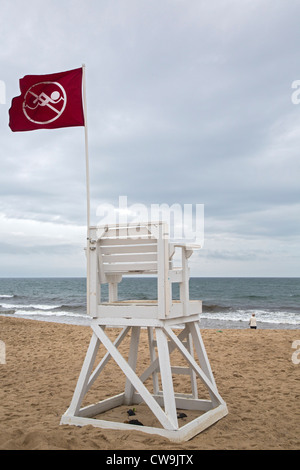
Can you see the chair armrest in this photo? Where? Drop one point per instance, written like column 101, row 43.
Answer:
column 188, row 248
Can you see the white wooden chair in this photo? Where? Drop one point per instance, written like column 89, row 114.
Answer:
column 144, row 249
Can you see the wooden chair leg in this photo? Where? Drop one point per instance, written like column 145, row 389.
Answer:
column 152, row 359
column 166, row 376
column 84, row 376
column 132, row 360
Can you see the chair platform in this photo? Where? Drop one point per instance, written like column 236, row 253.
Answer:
column 184, row 433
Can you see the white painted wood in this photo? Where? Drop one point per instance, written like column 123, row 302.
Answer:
column 132, row 360
column 166, row 376
column 203, row 422
column 112, row 291
column 130, row 267
column 83, row 379
column 216, row 399
column 130, row 258
column 175, row 275
column 183, row 401
column 142, row 249
column 128, row 231
column 155, row 364
column 128, row 311
column 190, row 348
column 145, row 322
column 143, row 310
column 102, row 406
column 180, row 370
column 153, row 358
column 114, row 251
column 201, row 352
column 106, row 358
column 130, row 374
column 184, row 285
column 183, row 434
column 127, row 241
column 124, row 249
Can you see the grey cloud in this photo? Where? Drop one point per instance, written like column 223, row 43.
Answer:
column 188, row 102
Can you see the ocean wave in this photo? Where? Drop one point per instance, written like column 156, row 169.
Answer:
column 7, row 312
column 8, row 296
column 215, row 308
column 262, row 316
column 35, row 306
column 51, row 313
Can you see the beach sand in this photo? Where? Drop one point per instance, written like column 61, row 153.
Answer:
column 253, row 369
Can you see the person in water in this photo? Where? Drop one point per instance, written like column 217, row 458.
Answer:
column 252, row 321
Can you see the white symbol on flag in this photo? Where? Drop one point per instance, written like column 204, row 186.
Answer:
column 44, row 107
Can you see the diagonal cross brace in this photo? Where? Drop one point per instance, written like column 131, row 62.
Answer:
column 134, row 379
column 216, row 398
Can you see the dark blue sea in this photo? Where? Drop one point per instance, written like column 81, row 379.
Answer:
column 227, row 302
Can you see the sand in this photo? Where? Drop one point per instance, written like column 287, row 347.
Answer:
column 253, row 369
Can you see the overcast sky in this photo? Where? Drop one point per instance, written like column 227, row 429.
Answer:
column 189, row 102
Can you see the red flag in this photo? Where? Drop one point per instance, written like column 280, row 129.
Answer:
column 48, row 102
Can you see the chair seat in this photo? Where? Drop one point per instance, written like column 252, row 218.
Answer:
column 145, row 308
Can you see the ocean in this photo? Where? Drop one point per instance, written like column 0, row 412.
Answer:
column 227, row 302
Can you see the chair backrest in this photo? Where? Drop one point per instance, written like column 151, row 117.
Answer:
column 141, row 249
column 130, row 249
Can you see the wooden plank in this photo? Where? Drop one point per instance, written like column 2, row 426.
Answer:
column 183, row 434
column 175, row 275
column 152, row 345
column 180, row 370
column 93, row 284
column 174, row 436
column 198, row 425
column 184, row 285
column 119, row 322
column 127, row 311
column 201, row 352
column 127, row 231
column 132, row 361
column 193, row 404
column 102, row 406
column 161, row 276
column 183, row 401
column 155, row 364
column 130, row 268
column 190, row 348
column 195, row 307
column 112, row 249
column 129, row 258
column 126, row 241
column 166, row 376
column 81, row 387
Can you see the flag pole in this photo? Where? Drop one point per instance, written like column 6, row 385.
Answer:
column 87, row 171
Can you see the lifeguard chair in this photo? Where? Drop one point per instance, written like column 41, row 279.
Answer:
column 145, row 249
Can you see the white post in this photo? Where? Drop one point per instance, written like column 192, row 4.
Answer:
column 87, row 191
